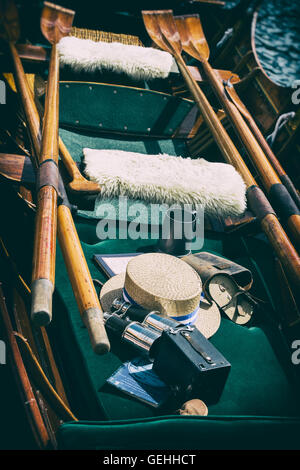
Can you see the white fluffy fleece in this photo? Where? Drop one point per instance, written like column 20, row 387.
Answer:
column 167, row 179
column 138, row 62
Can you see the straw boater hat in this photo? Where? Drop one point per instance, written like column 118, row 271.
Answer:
column 164, row 283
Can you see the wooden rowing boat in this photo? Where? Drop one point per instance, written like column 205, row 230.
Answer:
column 61, row 382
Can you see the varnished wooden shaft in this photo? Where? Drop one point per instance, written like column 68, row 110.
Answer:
column 220, row 135
column 44, row 242
column 69, row 163
column 42, row 382
column 32, row 116
column 294, row 227
column 164, row 33
column 78, row 183
column 78, row 271
column 268, row 174
column 49, row 147
column 46, row 217
column 81, row 281
column 43, row 272
column 283, row 247
column 270, row 223
column 17, row 168
column 82, row 284
column 273, row 159
column 45, row 225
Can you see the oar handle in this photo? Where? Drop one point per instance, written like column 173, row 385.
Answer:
column 262, row 209
column 78, row 182
column 41, row 302
column 69, row 163
column 81, row 281
column 93, row 320
column 43, row 272
column 283, row 247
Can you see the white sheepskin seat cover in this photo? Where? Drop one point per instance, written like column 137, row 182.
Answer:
column 140, row 63
column 218, row 187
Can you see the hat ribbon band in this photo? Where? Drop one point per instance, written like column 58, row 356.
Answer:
column 184, row 319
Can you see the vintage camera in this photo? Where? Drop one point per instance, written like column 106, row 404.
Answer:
column 182, row 357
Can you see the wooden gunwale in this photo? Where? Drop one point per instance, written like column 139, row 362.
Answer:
column 37, row 338
column 30, row 404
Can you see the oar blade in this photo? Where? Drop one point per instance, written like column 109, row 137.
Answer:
column 187, row 44
column 56, row 22
column 152, row 27
column 191, row 28
column 9, row 21
column 168, row 28
column 184, row 36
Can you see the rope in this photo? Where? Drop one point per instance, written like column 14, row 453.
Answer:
column 228, row 34
column 281, row 121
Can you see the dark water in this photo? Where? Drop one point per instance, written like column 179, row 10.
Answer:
column 277, row 39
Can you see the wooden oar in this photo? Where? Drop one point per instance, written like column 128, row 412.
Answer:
column 31, row 53
column 162, row 29
column 46, row 217
column 195, row 44
column 56, row 22
column 9, row 31
column 22, row 380
column 78, row 182
column 285, row 179
column 17, row 168
column 82, row 284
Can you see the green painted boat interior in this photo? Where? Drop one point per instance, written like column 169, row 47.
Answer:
column 260, row 405
column 154, row 117
column 260, row 383
column 94, row 106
